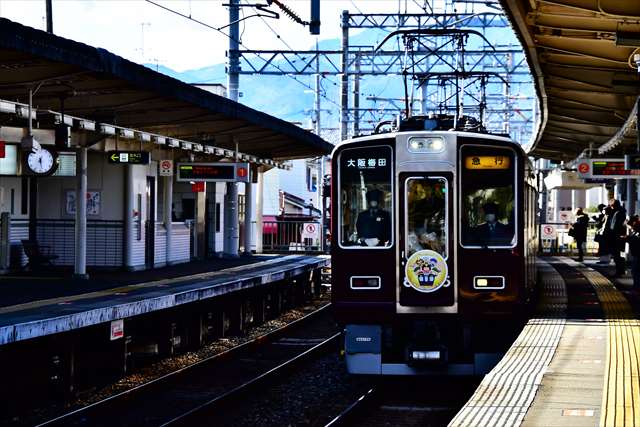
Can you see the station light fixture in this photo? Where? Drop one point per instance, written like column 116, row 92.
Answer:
column 209, row 149
column 219, row 152
column 160, row 140
column 143, row 136
column 86, row 125
column 174, row 143
column 185, row 145
column 7, row 107
column 23, row 112
column 107, row 130
column 197, row 147
column 126, row 133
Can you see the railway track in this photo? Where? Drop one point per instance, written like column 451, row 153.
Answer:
column 185, row 396
column 408, row 402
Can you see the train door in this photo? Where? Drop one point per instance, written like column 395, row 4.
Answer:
column 426, row 242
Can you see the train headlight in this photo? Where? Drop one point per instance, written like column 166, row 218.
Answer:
column 432, row 144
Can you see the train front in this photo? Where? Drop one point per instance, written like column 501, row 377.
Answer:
column 428, row 262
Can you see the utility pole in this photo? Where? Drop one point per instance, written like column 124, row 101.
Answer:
column 233, row 77
column 356, row 98
column 344, row 78
column 233, row 80
column 49, row 16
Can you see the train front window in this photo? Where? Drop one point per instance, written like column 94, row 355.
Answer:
column 366, row 211
column 487, row 197
column 426, row 215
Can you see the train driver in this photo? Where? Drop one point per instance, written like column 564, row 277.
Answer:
column 374, row 224
column 492, row 231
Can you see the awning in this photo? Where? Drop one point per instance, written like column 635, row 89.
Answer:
column 93, row 83
column 585, row 80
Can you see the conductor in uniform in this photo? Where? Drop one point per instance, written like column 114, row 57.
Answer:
column 374, row 224
column 492, row 231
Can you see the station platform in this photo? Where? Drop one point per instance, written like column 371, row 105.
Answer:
column 576, row 363
column 33, row 306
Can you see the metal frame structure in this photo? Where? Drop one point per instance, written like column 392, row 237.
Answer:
column 356, row 63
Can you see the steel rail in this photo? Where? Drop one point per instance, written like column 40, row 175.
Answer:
column 160, row 381
column 199, row 413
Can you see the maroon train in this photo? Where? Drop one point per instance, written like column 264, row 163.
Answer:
column 433, row 250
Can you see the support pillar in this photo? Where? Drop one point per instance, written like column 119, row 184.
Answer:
column 201, row 207
column 231, row 237
column 579, row 199
column 630, row 200
column 233, row 76
column 80, row 264
column 248, row 216
column 168, row 213
column 344, row 78
column 259, row 208
column 129, row 203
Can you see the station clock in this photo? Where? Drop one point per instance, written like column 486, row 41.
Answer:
column 42, row 162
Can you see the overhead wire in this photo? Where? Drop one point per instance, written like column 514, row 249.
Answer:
column 240, row 44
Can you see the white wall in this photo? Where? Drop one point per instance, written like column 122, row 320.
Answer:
column 8, row 183
column 292, row 181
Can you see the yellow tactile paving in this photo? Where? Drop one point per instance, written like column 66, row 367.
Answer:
column 621, row 396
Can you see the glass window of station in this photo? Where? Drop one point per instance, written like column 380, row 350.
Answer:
column 366, row 201
column 487, row 197
column 426, row 212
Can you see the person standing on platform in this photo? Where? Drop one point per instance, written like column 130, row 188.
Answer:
column 579, row 232
column 633, row 239
column 600, row 220
column 615, row 230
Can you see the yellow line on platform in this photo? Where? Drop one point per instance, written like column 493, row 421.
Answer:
column 621, row 394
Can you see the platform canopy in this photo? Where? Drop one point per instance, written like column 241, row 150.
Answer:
column 93, row 83
column 581, row 55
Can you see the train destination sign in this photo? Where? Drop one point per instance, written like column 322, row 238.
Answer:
column 128, row 157
column 213, row 172
column 487, row 162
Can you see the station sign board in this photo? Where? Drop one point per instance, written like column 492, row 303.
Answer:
column 548, row 231
column 165, row 167
column 213, row 172
column 614, row 168
column 116, row 329
column 128, row 157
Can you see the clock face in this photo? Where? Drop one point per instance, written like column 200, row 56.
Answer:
column 41, row 161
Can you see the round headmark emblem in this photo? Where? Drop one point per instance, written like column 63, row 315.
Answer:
column 426, row 271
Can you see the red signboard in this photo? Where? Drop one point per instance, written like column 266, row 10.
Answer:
column 197, row 187
column 2, row 150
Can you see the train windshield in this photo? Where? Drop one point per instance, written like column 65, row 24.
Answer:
column 426, row 211
column 366, row 211
column 487, row 196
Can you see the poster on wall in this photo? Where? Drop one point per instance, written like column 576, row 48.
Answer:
column 93, row 202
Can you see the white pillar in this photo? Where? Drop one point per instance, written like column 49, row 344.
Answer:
column 168, row 212
column 80, row 264
column 231, row 237
column 201, row 205
column 248, row 214
column 259, row 209
column 579, row 199
column 129, row 202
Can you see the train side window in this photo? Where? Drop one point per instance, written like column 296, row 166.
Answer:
column 366, row 201
column 488, row 216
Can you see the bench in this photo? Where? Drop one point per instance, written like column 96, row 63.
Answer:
column 38, row 254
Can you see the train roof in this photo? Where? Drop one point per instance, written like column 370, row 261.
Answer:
column 389, row 135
